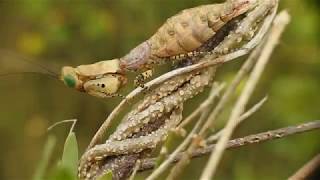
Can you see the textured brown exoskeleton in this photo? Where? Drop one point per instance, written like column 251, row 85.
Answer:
column 183, row 36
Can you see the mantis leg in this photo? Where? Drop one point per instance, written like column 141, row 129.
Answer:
column 141, row 78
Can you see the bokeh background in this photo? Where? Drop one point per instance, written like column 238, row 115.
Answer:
column 71, row 32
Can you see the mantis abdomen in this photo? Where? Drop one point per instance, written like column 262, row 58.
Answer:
column 184, row 34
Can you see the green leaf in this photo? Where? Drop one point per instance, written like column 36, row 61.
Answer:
column 43, row 163
column 61, row 173
column 106, row 176
column 70, row 154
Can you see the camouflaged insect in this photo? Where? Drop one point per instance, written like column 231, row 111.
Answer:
column 191, row 33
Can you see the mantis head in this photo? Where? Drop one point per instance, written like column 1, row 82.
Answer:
column 101, row 79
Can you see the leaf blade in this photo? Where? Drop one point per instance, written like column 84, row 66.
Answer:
column 70, row 154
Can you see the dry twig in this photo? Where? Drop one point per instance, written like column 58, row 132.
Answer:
column 207, row 103
column 135, row 170
column 306, row 171
column 279, row 25
column 187, row 140
column 244, row 141
column 243, row 117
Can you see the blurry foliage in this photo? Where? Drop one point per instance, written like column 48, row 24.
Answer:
column 70, row 154
column 77, row 32
column 107, row 176
column 66, row 168
column 43, row 163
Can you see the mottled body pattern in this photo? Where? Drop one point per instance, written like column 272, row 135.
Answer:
column 192, row 33
column 184, row 33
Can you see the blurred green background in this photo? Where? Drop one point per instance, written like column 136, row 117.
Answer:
column 71, row 32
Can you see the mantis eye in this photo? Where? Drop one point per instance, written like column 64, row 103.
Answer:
column 70, row 81
column 69, row 77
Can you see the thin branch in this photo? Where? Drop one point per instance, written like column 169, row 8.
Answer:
column 147, row 164
column 192, row 134
column 208, row 102
column 279, row 25
column 186, row 157
column 307, row 169
column 231, row 89
column 254, row 109
column 74, row 121
column 164, row 165
column 194, row 138
column 243, row 117
column 135, row 170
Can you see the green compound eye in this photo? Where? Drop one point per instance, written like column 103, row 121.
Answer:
column 70, row 81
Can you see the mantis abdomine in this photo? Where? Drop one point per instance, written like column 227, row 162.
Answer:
column 191, row 33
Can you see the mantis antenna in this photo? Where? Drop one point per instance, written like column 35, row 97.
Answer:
column 48, row 72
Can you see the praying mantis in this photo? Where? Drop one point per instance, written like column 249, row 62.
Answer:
column 132, row 137
column 190, row 34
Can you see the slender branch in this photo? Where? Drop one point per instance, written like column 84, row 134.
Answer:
column 307, row 169
column 74, row 121
column 147, row 164
column 192, row 135
column 164, row 165
column 208, row 102
column 135, row 170
column 243, row 117
column 186, row 157
column 231, row 89
column 194, row 138
column 280, row 23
